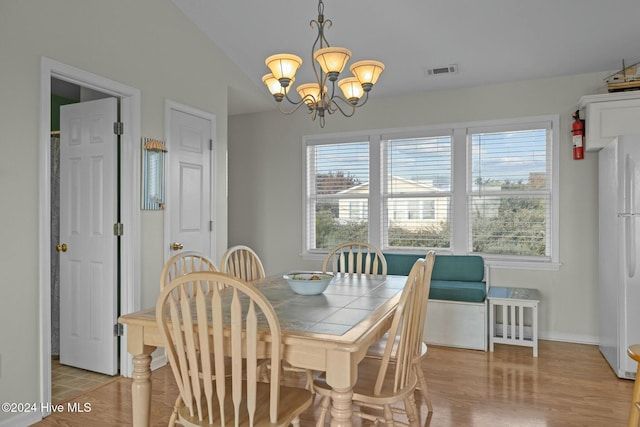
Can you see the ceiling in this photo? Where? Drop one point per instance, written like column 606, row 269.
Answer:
column 490, row 41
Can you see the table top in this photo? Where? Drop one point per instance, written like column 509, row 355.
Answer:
column 524, row 294
column 339, row 313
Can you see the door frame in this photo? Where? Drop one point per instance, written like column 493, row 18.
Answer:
column 130, row 293
column 172, row 105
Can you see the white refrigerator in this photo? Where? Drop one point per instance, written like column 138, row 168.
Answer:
column 619, row 252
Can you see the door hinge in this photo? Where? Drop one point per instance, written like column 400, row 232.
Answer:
column 210, row 225
column 118, row 330
column 118, row 128
column 118, row 229
column 211, row 145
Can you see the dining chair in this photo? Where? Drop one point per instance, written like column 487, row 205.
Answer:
column 355, row 258
column 377, row 349
column 241, row 261
column 396, row 377
column 184, row 263
column 180, row 264
column 633, row 351
column 201, row 332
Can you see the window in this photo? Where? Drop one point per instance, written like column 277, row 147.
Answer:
column 337, row 194
column 417, row 192
column 485, row 187
column 510, row 196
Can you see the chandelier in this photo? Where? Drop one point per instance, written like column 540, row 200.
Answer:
column 318, row 98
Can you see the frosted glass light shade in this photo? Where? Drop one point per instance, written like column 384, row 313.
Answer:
column 283, row 65
column 310, row 92
column 273, row 84
column 367, row 71
column 332, row 59
column 351, row 88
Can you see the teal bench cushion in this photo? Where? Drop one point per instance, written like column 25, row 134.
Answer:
column 454, row 277
column 453, row 290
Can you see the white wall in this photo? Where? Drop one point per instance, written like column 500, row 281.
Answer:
column 145, row 44
column 265, row 184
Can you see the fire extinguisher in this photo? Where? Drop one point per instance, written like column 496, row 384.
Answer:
column 577, row 130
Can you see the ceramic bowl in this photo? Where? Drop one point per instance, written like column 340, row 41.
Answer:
column 308, row 282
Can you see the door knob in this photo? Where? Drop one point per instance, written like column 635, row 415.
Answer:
column 61, row 247
column 176, row 246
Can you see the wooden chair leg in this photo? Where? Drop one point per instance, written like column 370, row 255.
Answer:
column 388, row 415
column 324, row 408
column 422, row 383
column 634, row 411
column 174, row 414
column 412, row 411
column 309, row 385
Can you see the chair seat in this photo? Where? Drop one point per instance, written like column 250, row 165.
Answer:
column 377, row 349
column 364, row 388
column 291, row 399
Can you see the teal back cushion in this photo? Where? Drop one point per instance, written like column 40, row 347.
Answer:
column 464, row 268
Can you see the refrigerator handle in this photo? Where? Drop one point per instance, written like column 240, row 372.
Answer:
column 629, row 220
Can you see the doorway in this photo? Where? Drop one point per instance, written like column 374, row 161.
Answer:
column 71, row 373
column 129, row 298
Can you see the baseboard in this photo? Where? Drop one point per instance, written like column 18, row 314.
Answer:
column 158, row 359
column 571, row 338
column 22, row 420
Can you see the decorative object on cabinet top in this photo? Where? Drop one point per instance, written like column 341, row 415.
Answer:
column 628, row 78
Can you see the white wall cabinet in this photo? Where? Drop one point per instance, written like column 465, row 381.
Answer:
column 609, row 115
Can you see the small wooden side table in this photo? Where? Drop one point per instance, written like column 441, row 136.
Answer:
column 513, row 302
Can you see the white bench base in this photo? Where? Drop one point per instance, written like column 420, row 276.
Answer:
column 456, row 324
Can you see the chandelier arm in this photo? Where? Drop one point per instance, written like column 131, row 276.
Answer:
column 339, row 108
column 366, row 98
column 297, row 103
column 287, row 113
column 353, row 106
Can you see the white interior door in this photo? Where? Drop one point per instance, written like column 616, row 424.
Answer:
column 88, row 285
column 190, row 183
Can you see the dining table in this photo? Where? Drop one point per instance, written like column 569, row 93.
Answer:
column 329, row 332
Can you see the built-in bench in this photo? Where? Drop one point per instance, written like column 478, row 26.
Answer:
column 457, row 310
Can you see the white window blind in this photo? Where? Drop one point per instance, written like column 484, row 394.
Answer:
column 337, row 193
column 417, row 192
column 510, row 198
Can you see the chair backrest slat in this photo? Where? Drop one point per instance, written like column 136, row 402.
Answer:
column 184, row 263
column 355, row 258
column 242, row 262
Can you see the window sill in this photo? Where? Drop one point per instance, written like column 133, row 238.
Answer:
column 522, row 265
column 494, row 263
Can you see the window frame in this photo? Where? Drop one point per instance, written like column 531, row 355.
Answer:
column 460, row 223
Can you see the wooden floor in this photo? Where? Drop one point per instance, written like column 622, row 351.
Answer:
column 567, row 385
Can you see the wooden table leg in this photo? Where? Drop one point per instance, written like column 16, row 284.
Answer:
column 141, row 390
column 342, row 373
column 341, row 411
column 141, row 386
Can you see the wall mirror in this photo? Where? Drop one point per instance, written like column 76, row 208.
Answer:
column 153, row 166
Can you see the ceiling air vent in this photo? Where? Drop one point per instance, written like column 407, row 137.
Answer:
column 448, row 69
